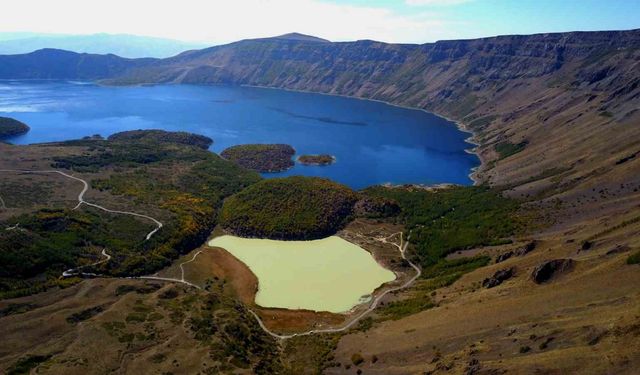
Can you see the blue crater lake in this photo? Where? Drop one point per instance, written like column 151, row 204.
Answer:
column 373, row 142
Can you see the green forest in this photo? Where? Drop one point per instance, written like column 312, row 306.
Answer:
column 292, row 208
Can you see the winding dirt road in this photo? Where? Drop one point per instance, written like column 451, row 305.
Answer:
column 76, row 271
column 402, row 247
column 180, row 280
column 81, row 200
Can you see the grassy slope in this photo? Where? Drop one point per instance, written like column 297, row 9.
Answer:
column 185, row 185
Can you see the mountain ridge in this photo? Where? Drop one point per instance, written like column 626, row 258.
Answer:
column 508, row 90
column 124, row 45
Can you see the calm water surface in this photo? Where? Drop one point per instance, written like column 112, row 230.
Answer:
column 330, row 274
column 373, row 142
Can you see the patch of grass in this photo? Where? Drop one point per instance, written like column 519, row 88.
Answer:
column 364, row 324
column 136, row 317
column 17, row 308
column 606, row 114
column 357, row 359
column 399, row 309
column 482, row 122
column 154, row 316
column 126, row 337
column 26, row 364
column 113, row 328
column 506, row 149
column 634, row 258
column 614, row 228
column 439, row 275
column 310, row 354
column 454, row 268
column 444, row 221
column 525, row 349
column 144, row 289
column 85, row 314
column 158, row 358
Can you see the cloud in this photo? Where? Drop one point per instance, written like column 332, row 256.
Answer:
column 218, row 21
column 436, row 2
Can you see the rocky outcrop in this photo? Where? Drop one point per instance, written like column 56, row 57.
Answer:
column 551, row 269
column 499, row 277
column 524, row 250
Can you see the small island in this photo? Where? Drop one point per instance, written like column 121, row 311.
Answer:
column 10, row 127
column 261, row 157
column 155, row 135
column 322, row 159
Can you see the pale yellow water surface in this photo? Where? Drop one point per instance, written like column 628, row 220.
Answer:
column 330, row 274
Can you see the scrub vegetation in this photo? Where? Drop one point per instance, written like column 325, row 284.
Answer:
column 506, row 149
column 182, row 185
column 447, row 220
column 261, row 157
column 322, row 159
column 164, row 136
column 434, row 277
column 293, row 208
column 634, row 258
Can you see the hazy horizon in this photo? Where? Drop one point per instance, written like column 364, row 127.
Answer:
column 406, row 21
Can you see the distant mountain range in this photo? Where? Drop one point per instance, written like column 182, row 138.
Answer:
column 119, row 44
column 549, row 95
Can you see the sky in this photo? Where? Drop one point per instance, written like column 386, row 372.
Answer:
column 397, row 21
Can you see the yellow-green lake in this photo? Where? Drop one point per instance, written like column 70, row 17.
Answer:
column 330, row 274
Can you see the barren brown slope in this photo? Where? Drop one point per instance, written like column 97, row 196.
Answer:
column 585, row 321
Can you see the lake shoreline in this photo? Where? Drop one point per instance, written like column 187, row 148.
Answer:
column 473, row 176
column 416, row 141
column 275, row 292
